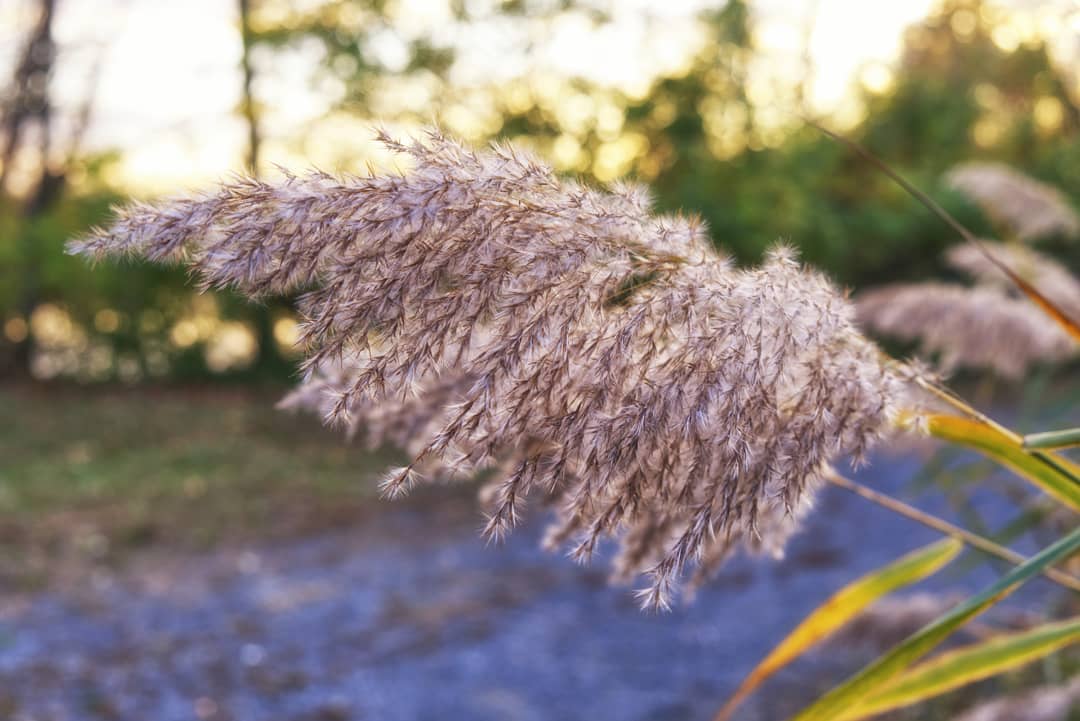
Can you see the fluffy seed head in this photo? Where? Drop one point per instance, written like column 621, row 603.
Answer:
column 487, row 315
column 1028, row 208
column 981, row 327
column 1051, row 278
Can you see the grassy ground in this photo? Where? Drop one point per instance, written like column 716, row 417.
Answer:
column 94, row 473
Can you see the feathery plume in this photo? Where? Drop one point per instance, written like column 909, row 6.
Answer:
column 487, row 315
column 1030, row 209
column 980, row 327
column 1051, row 278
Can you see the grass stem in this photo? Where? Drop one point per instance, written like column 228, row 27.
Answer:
column 972, row 539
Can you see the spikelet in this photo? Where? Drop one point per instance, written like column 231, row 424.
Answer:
column 1028, row 208
column 1051, row 278
column 981, row 327
column 486, row 315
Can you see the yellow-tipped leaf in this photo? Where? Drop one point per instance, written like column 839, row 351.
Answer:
column 841, row 607
column 883, row 673
column 1051, row 473
column 969, row 664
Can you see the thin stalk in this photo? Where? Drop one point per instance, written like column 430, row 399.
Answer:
column 972, row 539
column 946, row 395
column 1070, row 324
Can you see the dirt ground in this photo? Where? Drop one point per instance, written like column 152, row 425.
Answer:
column 327, row 604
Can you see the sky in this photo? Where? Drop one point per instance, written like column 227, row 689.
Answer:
column 169, row 82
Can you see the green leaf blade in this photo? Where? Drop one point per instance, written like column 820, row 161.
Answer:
column 875, row 677
column 841, row 607
column 1067, row 438
column 1052, row 474
column 969, row 664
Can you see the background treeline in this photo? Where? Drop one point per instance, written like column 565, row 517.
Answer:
column 695, row 137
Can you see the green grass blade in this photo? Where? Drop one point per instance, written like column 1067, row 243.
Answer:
column 875, row 677
column 841, row 607
column 1053, row 439
column 969, row 664
column 1053, row 474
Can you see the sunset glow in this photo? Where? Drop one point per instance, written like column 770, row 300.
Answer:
column 169, row 83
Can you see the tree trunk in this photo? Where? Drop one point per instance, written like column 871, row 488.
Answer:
column 30, row 105
column 248, row 102
column 270, row 360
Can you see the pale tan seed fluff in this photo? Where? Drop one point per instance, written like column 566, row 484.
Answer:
column 983, row 327
column 1027, row 208
column 485, row 314
column 1051, row 278
column 990, row 326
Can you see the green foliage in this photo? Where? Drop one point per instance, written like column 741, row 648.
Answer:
column 343, row 29
column 182, row 467
column 709, row 152
column 147, row 300
column 702, row 146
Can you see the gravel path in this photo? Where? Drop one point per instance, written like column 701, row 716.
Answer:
column 408, row 616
